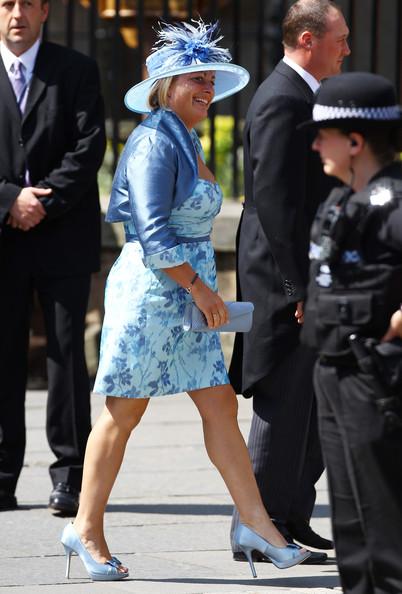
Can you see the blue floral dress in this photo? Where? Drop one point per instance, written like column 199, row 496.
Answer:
column 144, row 350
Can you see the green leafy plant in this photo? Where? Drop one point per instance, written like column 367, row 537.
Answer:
column 224, row 138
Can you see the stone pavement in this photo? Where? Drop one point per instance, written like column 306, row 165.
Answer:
column 168, row 518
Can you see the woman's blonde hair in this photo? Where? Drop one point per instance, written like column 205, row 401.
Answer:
column 158, row 95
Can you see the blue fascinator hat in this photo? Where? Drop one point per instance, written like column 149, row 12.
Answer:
column 184, row 48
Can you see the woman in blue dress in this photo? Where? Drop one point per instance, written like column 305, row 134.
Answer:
column 167, row 199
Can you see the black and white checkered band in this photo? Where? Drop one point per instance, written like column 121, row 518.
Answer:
column 329, row 112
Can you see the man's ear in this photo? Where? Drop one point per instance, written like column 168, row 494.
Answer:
column 45, row 11
column 306, row 40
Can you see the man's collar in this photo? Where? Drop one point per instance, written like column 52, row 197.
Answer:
column 27, row 58
column 306, row 76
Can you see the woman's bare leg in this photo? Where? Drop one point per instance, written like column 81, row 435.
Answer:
column 103, row 457
column 228, row 452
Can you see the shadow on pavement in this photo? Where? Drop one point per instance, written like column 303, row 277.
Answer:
column 292, row 582
column 182, row 509
column 197, row 509
column 27, row 507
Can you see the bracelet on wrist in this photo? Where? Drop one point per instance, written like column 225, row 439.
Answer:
column 190, row 287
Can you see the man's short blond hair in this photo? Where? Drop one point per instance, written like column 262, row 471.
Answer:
column 306, row 15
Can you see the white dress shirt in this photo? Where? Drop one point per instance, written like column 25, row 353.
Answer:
column 306, row 76
column 28, row 59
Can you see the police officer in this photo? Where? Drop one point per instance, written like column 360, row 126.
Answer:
column 355, row 291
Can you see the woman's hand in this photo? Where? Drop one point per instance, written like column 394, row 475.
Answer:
column 395, row 327
column 299, row 313
column 211, row 305
column 207, row 300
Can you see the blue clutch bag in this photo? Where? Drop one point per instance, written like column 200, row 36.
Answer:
column 240, row 318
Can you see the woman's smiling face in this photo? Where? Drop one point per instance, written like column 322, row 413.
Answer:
column 190, row 96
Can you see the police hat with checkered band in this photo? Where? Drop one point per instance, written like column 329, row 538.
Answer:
column 356, row 101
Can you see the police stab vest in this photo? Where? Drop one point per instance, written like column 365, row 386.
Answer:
column 349, row 291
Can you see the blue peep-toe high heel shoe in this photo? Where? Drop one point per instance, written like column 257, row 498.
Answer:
column 104, row 572
column 282, row 557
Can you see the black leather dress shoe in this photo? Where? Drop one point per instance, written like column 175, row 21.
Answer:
column 303, row 533
column 8, row 502
column 64, row 499
column 314, row 559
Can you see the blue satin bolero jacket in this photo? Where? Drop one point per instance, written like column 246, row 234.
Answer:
column 157, row 171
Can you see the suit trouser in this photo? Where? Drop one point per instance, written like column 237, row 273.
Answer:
column 364, row 466
column 283, row 442
column 64, row 303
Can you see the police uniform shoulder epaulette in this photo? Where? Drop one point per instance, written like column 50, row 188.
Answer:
column 381, row 194
column 384, row 190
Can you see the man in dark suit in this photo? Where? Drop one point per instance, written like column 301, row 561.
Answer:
column 52, row 144
column 284, row 184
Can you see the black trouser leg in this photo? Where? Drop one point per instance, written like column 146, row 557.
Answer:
column 365, row 478
column 279, row 438
column 15, row 308
column 346, row 522
column 304, row 498
column 284, row 400
column 68, row 424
